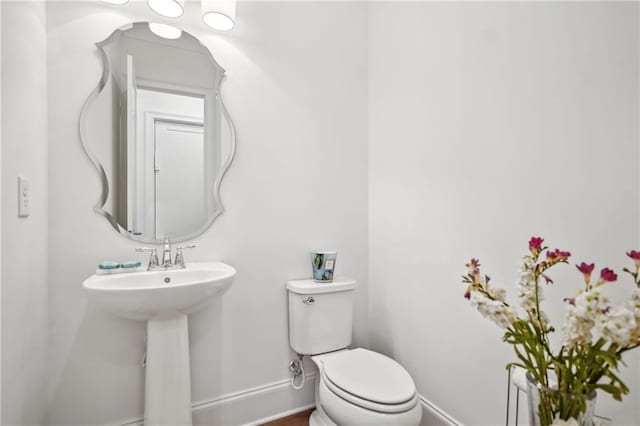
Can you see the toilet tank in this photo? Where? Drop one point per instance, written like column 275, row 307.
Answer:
column 320, row 315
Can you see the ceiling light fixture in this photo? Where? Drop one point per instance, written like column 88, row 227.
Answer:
column 168, row 8
column 219, row 14
column 165, row 31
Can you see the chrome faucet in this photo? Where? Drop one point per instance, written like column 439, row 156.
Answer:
column 166, row 264
column 166, row 253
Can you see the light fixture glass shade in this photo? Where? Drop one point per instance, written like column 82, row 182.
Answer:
column 165, row 31
column 219, row 14
column 116, row 1
column 168, row 8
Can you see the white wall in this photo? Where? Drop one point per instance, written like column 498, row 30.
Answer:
column 512, row 109
column 24, row 240
column 0, row 220
column 490, row 123
column 296, row 90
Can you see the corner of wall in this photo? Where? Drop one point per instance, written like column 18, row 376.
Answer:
column 24, row 240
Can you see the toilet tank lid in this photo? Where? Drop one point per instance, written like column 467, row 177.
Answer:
column 309, row 286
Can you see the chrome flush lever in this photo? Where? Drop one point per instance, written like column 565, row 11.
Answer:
column 309, row 301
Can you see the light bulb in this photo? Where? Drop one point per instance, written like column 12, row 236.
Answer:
column 219, row 14
column 165, row 31
column 168, row 8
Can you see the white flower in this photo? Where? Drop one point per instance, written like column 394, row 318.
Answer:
column 617, row 324
column 529, row 293
column 634, row 306
column 582, row 315
column 635, row 299
column 500, row 294
column 527, row 288
column 576, row 328
column 560, row 422
column 496, row 310
column 591, row 310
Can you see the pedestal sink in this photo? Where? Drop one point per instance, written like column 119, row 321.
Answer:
column 163, row 299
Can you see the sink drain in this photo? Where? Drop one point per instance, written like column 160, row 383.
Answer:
column 167, row 280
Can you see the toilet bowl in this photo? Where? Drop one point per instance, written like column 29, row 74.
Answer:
column 353, row 386
column 362, row 387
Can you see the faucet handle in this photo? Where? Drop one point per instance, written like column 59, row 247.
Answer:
column 153, row 257
column 146, row 249
column 180, row 256
column 186, row 246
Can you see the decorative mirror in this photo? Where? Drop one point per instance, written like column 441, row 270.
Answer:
column 158, row 133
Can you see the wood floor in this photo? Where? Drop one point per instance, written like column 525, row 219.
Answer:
column 298, row 419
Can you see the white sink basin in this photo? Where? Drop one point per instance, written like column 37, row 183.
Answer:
column 163, row 299
column 160, row 294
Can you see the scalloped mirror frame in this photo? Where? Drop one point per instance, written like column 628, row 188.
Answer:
column 99, row 206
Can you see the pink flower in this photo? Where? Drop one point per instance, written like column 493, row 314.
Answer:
column 535, row 244
column 635, row 255
column 467, row 293
column 607, row 275
column 473, row 267
column 558, row 255
column 473, row 276
column 586, row 270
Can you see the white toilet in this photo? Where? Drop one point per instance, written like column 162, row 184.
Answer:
column 353, row 387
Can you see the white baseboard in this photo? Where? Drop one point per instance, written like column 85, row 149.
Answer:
column 261, row 404
column 250, row 406
column 256, row 405
column 436, row 413
column 280, row 415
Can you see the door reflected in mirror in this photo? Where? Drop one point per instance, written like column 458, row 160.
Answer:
column 159, row 135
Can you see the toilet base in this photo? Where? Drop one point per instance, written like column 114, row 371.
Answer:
column 318, row 418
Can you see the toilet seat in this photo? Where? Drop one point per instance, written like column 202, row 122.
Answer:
column 370, row 405
column 369, row 380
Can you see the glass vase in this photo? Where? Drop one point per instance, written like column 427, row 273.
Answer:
column 548, row 405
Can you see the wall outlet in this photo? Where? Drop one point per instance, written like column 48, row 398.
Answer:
column 24, row 195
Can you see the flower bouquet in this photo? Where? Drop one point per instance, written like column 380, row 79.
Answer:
column 595, row 334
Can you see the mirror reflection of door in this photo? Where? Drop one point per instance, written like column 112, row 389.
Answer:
column 179, row 191
column 169, row 197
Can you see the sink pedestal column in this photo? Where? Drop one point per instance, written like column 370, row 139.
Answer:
column 167, row 399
